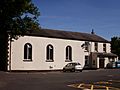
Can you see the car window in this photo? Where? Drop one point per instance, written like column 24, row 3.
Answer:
column 69, row 64
column 78, row 64
column 72, row 64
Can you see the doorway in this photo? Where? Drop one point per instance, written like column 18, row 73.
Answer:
column 101, row 63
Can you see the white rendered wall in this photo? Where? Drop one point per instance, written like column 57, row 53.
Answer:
column 106, row 61
column 39, row 53
column 100, row 47
column 108, row 47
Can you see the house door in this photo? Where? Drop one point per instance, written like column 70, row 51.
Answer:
column 101, row 62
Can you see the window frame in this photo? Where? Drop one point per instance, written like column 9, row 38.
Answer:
column 96, row 46
column 68, row 54
column 49, row 53
column 27, row 52
column 86, row 60
column 104, row 47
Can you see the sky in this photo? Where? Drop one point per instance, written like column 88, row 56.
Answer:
column 81, row 16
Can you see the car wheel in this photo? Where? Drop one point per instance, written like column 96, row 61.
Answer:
column 73, row 70
column 80, row 70
column 64, row 70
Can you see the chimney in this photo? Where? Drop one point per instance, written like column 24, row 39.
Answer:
column 92, row 31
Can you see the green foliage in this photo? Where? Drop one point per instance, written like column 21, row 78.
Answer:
column 18, row 16
column 115, row 45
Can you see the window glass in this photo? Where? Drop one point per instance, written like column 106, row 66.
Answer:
column 49, row 53
column 86, row 60
column 96, row 47
column 68, row 53
column 104, row 47
column 27, row 51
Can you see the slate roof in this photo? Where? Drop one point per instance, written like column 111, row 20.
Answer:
column 67, row 35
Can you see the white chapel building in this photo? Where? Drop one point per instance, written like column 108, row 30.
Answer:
column 47, row 49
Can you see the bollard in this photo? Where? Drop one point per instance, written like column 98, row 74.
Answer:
column 107, row 88
column 91, row 87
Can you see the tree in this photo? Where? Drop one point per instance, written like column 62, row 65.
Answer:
column 115, row 46
column 16, row 17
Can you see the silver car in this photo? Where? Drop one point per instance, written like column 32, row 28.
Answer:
column 73, row 66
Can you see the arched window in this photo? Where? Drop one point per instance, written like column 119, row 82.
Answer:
column 27, row 51
column 68, row 53
column 49, row 53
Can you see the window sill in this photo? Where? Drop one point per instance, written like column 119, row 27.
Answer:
column 68, row 60
column 49, row 60
column 27, row 60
